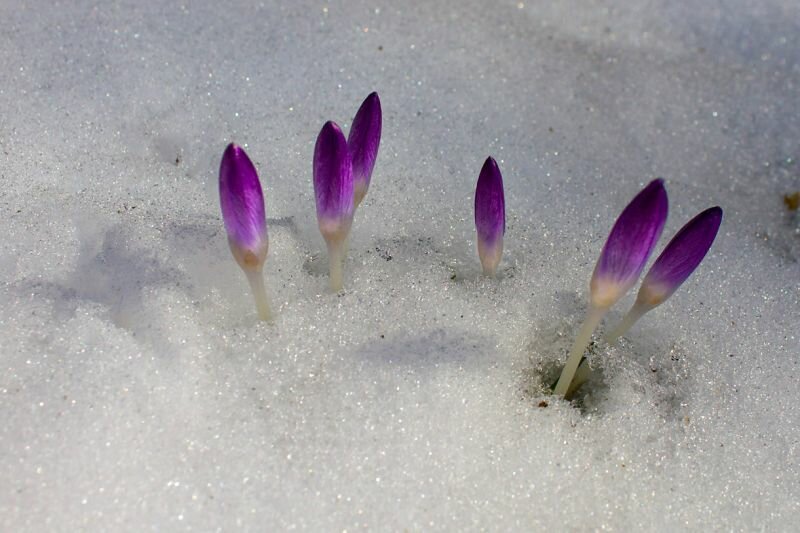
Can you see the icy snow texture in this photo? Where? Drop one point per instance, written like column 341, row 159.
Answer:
column 138, row 391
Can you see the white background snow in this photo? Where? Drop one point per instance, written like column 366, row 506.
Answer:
column 138, row 391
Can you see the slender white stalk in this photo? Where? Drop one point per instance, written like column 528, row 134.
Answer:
column 630, row 319
column 581, row 377
column 489, row 270
column 579, row 346
column 256, row 279
column 336, row 255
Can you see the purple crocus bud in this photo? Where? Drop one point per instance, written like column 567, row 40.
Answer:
column 242, row 203
column 363, row 141
column 676, row 263
column 680, row 258
column 333, row 188
column 333, row 182
column 490, row 216
column 629, row 244
column 624, row 255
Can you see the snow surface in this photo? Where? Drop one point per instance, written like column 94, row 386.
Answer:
column 138, row 391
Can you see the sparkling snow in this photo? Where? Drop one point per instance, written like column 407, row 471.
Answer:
column 139, row 392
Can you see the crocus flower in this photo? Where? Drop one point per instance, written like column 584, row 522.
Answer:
column 680, row 258
column 363, row 141
column 629, row 245
column 242, row 203
column 333, row 188
column 624, row 255
column 490, row 216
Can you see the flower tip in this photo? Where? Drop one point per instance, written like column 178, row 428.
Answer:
column 654, row 187
column 242, row 205
column 370, row 106
column 235, row 154
column 654, row 196
column 330, row 128
column 711, row 218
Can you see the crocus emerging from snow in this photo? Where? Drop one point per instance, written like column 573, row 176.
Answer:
column 624, row 255
column 333, row 188
column 629, row 245
column 490, row 216
column 242, row 205
column 363, row 141
column 676, row 263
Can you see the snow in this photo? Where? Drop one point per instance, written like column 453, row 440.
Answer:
column 139, row 392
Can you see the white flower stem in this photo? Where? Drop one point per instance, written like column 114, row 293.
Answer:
column 630, row 319
column 579, row 346
column 581, row 377
column 256, row 279
column 336, row 255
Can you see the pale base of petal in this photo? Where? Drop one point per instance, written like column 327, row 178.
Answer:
column 653, row 294
column 247, row 258
column 490, row 256
column 336, row 255
column 605, row 293
column 579, row 346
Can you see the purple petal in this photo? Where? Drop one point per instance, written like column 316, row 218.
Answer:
column 490, row 215
column 680, row 258
column 333, row 178
column 363, row 141
column 629, row 244
column 490, row 204
column 242, row 202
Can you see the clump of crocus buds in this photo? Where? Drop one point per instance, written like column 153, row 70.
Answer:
column 342, row 169
column 680, row 258
column 490, row 216
column 342, row 172
column 623, row 258
column 242, row 203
